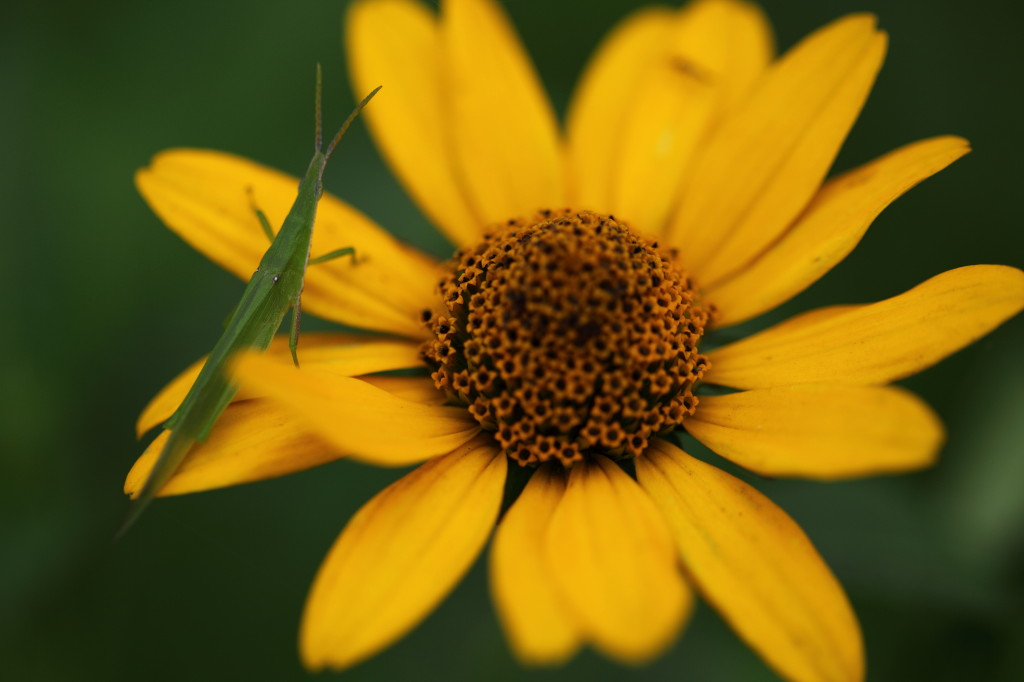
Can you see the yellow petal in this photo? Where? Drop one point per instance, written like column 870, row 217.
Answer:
column 830, row 228
column 252, row 440
column 615, row 565
column 539, row 626
column 820, row 431
column 416, row 389
column 343, row 354
column 734, row 37
column 604, row 101
column 767, row 159
column 500, row 121
column 714, row 52
column 397, row 43
column 355, row 417
column 756, row 567
column 204, row 196
column 880, row 342
column 813, row 317
column 400, row 555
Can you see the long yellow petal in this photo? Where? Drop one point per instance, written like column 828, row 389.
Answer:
column 756, row 567
column 397, row 43
column 735, row 37
column 342, row 354
column 814, row 317
column 604, row 101
column 715, row 51
column 416, row 389
column 766, row 161
column 500, row 121
column 880, row 342
column 400, row 555
column 204, row 196
column 253, row 440
column 820, row 431
column 615, row 564
column 356, row 417
column 539, row 626
column 830, row 228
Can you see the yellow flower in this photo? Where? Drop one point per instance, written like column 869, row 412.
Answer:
column 572, row 343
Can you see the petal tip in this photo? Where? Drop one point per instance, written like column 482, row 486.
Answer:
column 963, row 141
column 313, row 661
column 133, row 480
column 139, row 177
column 862, row 20
column 954, row 145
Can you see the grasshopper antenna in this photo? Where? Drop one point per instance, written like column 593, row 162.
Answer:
column 319, row 119
column 348, row 121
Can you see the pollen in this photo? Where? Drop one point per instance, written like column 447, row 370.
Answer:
column 568, row 334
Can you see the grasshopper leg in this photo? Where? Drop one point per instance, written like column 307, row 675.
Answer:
column 264, row 223
column 337, row 253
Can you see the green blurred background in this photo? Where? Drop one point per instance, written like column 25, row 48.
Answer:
column 102, row 305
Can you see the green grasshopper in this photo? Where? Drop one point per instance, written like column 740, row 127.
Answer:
column 275, row 287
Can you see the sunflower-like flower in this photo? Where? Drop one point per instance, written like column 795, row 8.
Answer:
column 575, row 344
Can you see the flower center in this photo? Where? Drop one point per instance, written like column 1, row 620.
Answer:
column 568, row 334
